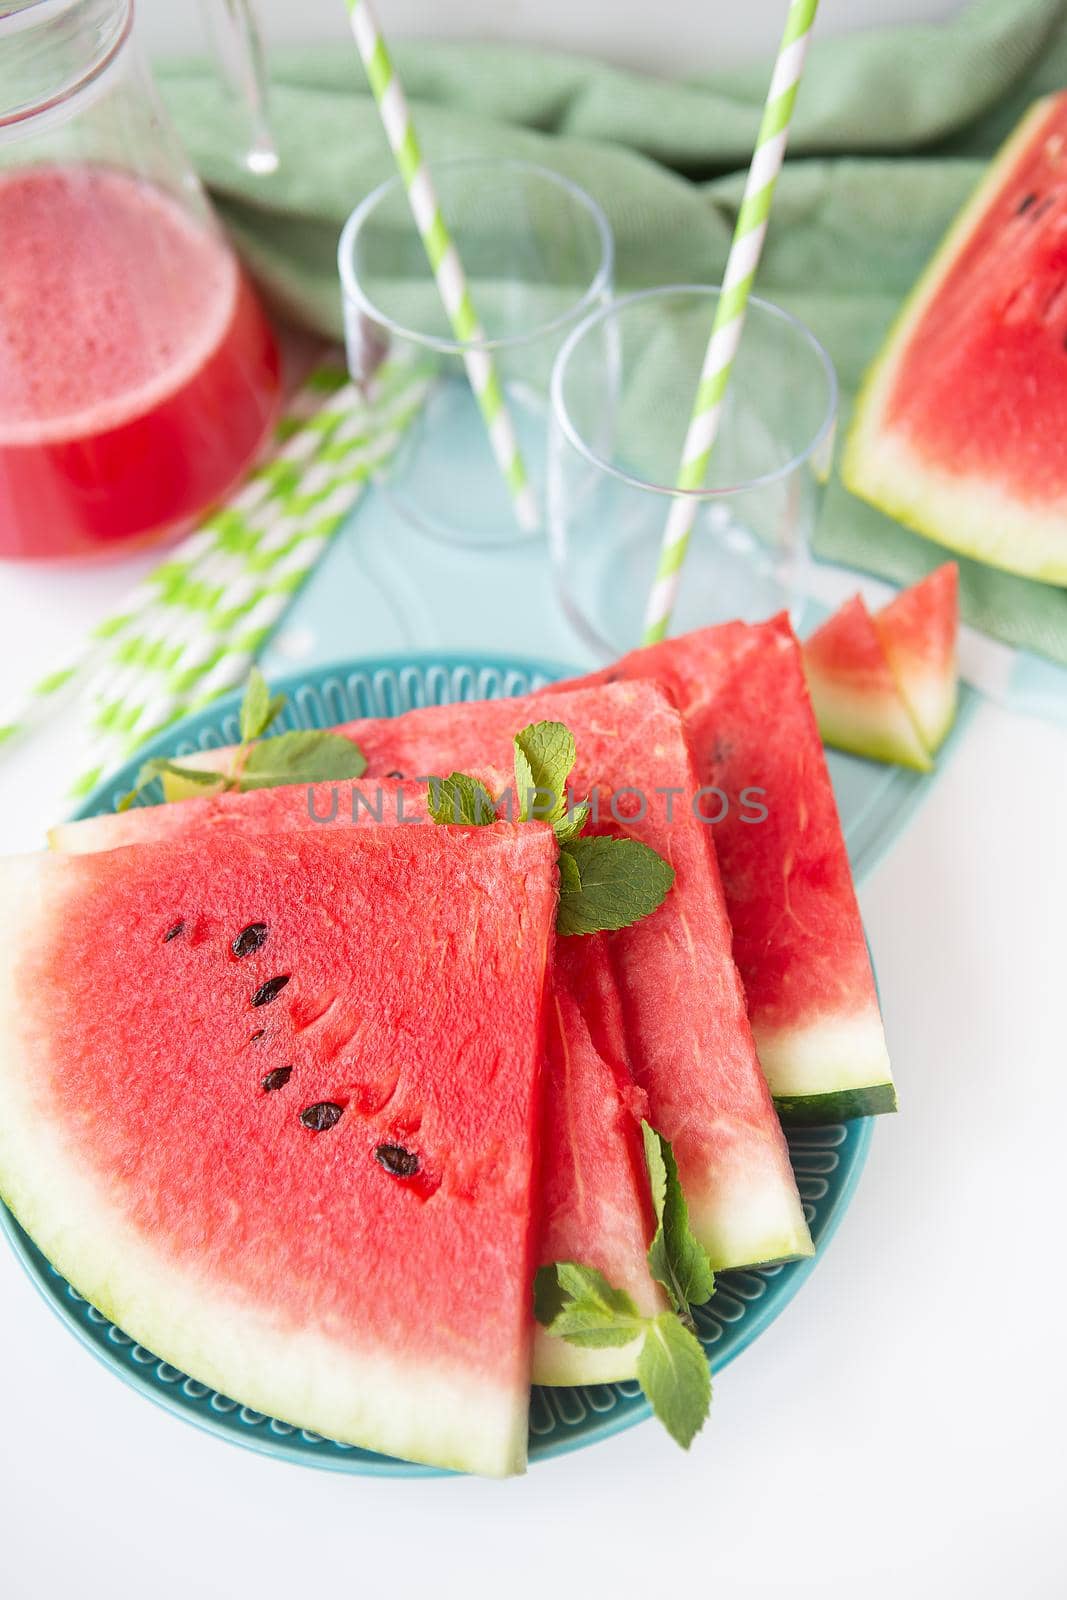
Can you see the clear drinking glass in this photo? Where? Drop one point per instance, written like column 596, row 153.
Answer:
column 537, row 252
column 622, row 393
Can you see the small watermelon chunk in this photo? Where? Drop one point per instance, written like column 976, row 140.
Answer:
column 798, row 937
column 960, row 430
column 274, row 1111
column 919, row 632
column 857, row 702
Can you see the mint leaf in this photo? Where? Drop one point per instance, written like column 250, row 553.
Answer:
column 258, row 709
column 672, row 1369
column 571, row 824
column 158, row 766
column 460, row 798
column 609, row 883
column 312, row 756
column 578, row 1304
column 544, row 756
column 676, row 1258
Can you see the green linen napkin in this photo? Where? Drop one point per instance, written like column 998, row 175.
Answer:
column 892, row 130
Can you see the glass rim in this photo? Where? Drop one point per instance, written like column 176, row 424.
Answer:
column 40, row 12
column 354, row 293
column 561, row 415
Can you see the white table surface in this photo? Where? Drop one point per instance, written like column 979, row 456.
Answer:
column 899, row 1429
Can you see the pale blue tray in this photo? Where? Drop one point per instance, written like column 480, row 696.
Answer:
column 875, row 803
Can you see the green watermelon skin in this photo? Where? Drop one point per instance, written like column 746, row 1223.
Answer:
column 960, row 429
column 797, row 934
column 595, row 1200
column 690, row 1044
column 284, row 1266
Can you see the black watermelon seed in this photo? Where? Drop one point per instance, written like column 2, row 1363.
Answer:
column 277, row 1079
column 270, row 990
column 173, row 932
column 325, row 1114
column 250, row 939
column 394, row 774
column 259, row 1034
column 1025, row 203
column 395, row 1159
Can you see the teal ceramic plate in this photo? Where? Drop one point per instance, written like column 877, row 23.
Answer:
column 875, row 803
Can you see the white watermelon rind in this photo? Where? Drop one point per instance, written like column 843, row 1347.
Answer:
column 878, row 727
column 417, row 1409
column 850, row 1053
column 963, row 513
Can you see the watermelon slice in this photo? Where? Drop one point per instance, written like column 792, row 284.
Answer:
column 798, row 939
column 961, row 428
column 857, row 702
column 596, row 1207
column 595, row 1197
column 690, row 1045
column 274, row 1112
column 919, row 632
column 296, row 807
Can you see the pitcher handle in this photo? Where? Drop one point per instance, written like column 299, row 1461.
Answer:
column 240, row 49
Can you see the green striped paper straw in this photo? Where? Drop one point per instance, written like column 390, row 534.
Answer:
column 738, row 278
column 443, row 257
column 307, row 418
column 204, row 640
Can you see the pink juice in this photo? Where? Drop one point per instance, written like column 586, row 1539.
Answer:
column 137, row 372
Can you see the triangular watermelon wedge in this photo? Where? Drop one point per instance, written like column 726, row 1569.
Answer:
column 596, row 1206
column 919, row 632
column 274, row 1111
column 690, row 1043
column 798, row 937
column 857, row 700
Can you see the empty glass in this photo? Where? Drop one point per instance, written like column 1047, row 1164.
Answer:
column 537, row 253
column 622, row 393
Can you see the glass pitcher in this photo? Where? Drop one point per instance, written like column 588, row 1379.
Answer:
column 138, row 374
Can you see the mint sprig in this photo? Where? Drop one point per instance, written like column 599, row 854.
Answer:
column 608, row 883
column 676, row 1258
column 605, row 883
column 306, row 756
column 461, row 799
column 258, row 707
column 544, row 756
column 578, row 1304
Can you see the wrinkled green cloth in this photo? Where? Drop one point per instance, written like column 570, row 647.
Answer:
column 891, row 133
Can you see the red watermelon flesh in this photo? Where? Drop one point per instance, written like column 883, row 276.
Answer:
column 594, row 1185
column 919, row 632
column 310, row 806
column 961, row 428
column 711, row 1096
column 689, row 1041
column 367, row 1275
column 798, row 938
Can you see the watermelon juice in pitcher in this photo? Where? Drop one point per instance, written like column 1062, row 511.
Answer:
column 138, row 374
